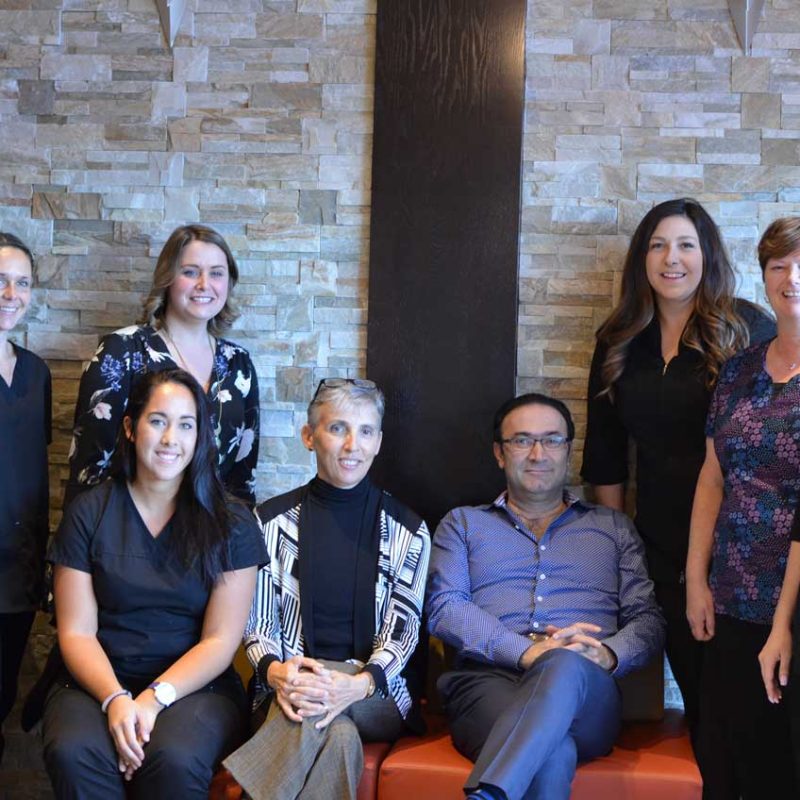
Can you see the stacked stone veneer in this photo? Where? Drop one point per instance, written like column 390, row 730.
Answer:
column 630, row 102
column 258, row 122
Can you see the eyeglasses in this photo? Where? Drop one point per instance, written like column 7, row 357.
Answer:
column 522, row 443
column 336, row 383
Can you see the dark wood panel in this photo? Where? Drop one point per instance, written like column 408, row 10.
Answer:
column 449, row 100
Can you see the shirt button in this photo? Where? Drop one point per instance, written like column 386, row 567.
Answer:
column 539, row 599
column 544, row 547
column 542, row 576
column 535, row 624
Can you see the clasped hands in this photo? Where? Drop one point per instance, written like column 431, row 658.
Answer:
column 304, row 687
column 130, row 722
column 576, row 637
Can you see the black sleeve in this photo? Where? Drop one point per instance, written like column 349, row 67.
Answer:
column 48, row 406
column 240, row 479
column 760, row 324
column 246, row 547
column 794, row 534
column 71, row 546
column 605, row 452
column 102, row 398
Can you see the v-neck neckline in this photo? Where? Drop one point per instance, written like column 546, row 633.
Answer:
column 17, row 374
column 157, row 537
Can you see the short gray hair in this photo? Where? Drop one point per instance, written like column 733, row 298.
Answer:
column 346, row 393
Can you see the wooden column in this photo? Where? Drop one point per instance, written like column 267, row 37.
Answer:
column 449, row 101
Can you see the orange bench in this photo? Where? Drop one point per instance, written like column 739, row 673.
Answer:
column 651, row 760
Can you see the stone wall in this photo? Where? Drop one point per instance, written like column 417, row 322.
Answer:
column 258, row 122
column 630, row 102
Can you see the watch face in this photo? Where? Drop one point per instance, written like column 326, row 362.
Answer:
column 165, row 693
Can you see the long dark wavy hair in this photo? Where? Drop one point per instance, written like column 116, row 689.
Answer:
column 202, row 521
column 714, row 328
column 166, row 270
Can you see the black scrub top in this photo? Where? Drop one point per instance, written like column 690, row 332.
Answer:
column 25, row 432
column 150, row 608
column 664, row 411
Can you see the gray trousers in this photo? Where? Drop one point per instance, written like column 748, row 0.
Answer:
column 288, row 760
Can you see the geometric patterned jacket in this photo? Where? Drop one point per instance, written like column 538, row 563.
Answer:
column 274, row 627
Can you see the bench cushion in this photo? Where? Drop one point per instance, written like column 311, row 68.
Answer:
column 651, row 760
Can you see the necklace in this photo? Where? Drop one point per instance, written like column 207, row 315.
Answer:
column 182, row 360
column 792, row 365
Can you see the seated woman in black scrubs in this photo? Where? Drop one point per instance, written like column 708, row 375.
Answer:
column 154, row 574
column 24, row 496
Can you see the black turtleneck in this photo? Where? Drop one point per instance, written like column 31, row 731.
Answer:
column 337, row 529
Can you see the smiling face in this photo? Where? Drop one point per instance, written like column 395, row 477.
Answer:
column 165, row 434
column 538, row 475
column 782, row 284
column 674, row 261
column 346, row 439
column 200, row 288
column 16, row 283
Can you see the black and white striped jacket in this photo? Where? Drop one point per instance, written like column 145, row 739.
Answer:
column 274, row 627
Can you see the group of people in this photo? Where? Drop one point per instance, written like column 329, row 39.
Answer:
column 163, row 563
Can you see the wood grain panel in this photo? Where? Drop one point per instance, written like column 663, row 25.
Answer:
column 444, row 241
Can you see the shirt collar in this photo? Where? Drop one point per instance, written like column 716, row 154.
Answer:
column 570, row 500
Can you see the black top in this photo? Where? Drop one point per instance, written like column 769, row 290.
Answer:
column 25, row 422
column 663, row 410
column 336, row 522
column 150, row 609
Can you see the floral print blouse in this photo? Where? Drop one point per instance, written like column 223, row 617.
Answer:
column 103, row 398
column 755, row 425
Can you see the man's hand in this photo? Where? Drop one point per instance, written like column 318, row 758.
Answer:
column 302, row 686
column 577, row 637
column 537, row 649
column 700, row 610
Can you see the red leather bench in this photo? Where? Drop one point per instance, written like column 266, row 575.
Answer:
column 652, row 761
column 224, row 787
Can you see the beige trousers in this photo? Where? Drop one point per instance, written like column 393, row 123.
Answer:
column 288, row 760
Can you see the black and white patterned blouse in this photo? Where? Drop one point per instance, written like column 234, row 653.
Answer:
column 103, row 397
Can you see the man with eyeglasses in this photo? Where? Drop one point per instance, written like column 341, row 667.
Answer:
column 337, row 611
column 546, row 600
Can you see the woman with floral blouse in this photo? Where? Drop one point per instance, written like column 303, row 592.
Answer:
column 746, row 498
column 187, row 310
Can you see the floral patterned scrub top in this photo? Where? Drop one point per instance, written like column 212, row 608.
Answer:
column 755, row 424
column 103, row 397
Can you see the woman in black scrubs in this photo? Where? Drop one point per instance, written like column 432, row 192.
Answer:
column 154, row 574
column 25, row 434
column 655, row 364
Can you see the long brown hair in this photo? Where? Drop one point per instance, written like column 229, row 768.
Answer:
column 714, row 329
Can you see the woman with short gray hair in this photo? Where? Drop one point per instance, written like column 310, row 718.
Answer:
column 336, row 616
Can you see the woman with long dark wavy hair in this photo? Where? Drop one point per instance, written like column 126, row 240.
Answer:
column 657, row 358
column 154, row 573
column 188, row 309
